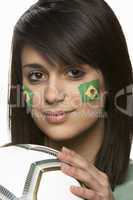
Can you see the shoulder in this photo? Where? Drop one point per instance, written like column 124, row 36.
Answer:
column 125, row 190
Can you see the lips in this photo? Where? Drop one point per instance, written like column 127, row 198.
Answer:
column 57, row 117
column 50, row 113
column 54, row 113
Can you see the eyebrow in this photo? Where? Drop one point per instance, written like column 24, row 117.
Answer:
column 36, row 66
column 39, row 66
column 33, row 66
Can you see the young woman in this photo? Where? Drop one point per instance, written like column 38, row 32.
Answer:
column 70, row 72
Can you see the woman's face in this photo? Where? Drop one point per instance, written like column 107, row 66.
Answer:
column 56, row 88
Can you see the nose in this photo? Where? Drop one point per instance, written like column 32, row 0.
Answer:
column 53, row 95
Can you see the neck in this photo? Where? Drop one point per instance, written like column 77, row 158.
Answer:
column 87, row 144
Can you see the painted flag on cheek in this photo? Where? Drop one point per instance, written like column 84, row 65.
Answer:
column 28, row 93
column 89, row 91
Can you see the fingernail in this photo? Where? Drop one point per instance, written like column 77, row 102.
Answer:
column 74, row 188
column 60, row 155
column 65, row 149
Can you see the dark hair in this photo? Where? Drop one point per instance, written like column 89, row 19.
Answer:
column 77, row 31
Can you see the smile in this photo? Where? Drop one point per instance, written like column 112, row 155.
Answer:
column 57, row 117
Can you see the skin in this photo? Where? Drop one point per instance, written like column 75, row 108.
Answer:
column 56, row 88
column 96, row 182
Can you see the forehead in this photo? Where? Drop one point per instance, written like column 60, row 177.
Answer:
column 31, row 55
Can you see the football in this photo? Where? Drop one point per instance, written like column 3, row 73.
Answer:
column 32, row 172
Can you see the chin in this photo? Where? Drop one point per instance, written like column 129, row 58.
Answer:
column 61, row 135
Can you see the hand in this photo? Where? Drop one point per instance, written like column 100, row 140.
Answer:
column 96, row 181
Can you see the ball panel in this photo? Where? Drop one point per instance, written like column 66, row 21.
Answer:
column 32, row 172
column 59, row 184
column 15, row 165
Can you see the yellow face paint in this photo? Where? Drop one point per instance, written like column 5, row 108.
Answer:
column 89, row 91
column 28, row 93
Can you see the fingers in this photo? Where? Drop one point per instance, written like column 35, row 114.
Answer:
column 83, row 176
column 85, row 193
column 72, row 157
column 96, row 181
column 76, row 160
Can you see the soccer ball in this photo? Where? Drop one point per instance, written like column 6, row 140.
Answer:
column 32, row 172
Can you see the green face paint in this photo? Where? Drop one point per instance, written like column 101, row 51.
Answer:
column 90, row 91
column 28, row 93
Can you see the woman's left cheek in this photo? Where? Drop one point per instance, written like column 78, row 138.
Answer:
column 90, row 91
column 76, row 100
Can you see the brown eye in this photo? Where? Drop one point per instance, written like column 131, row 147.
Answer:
column 75, row 73
column 36, row 76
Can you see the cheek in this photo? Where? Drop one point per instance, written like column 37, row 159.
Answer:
column 75, row 100
column 38, row 99
column 90, row 110
column 28, row 96
column 91, row 93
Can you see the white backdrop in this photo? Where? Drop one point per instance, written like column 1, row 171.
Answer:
column 9, row 13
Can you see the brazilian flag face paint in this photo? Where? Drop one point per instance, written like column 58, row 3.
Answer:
column 28, row 93
column 90, row 91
